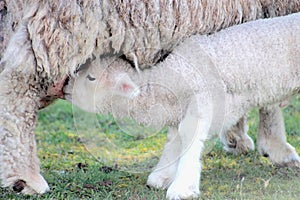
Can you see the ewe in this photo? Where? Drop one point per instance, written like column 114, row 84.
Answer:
column 51, row 39
column 255, row 64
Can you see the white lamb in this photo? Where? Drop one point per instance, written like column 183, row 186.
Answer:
column 225, row 75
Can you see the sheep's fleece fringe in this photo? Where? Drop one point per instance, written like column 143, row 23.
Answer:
column 45, row 41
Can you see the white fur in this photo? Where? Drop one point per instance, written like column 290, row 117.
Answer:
column 252, row 65
column 165, row 170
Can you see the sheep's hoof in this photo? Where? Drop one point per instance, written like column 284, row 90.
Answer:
column 38, row 184
column 35, row 184
column 19, row 186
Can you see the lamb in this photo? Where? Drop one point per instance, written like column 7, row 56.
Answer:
column 54, row 38
column 255, row 64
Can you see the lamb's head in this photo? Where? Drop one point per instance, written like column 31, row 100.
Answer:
column 99, row 82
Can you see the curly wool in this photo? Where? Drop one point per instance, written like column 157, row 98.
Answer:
column 10, row 14
column 145, row 31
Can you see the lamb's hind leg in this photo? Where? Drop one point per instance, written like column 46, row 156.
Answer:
column 236, row 139
column 165, row 170
column 271, row 139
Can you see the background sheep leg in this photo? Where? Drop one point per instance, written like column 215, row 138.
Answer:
column 271, row 139
column 164, row 172
column 236, row 140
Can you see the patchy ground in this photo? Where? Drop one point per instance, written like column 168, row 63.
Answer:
column 74, row 172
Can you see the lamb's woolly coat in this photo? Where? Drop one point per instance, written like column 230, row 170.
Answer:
column 54, row 37
column 254, row 64
column 257, row 64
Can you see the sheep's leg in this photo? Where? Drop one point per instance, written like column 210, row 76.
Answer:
column 271, row 139
column 20, row 95
column 193, row 131
column 165, row 170
column 19, row 101
column 236, row 140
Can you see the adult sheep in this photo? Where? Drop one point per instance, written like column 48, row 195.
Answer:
column 10, row 14
column 54, row 38
column 255, row 64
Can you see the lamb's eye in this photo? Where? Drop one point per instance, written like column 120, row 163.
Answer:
column 90, row 78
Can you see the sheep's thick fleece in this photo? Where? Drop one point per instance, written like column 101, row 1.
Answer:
column 255, row 64
column 147, row 29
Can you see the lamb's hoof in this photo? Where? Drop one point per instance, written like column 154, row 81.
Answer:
column 293, row 164
column 283, row 155
column 240, row 146
column 34, row 185
column 159, row 180
column 179, row 191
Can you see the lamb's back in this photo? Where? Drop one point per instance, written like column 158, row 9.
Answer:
column 263, row 55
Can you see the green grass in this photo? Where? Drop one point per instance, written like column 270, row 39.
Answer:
column 104, row 167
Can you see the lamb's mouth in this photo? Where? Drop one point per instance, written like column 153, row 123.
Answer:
column 55, row 91
column 65, row 94
column 68, row 96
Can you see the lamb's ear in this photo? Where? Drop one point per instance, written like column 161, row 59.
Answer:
column 124, row 86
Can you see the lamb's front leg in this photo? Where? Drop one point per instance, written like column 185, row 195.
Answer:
column 19, row 101
column 165, row 170
column 193, row 132
column 271, row 139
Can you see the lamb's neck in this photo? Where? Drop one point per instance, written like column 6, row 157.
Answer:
column 161, row 97
column 163, row 79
